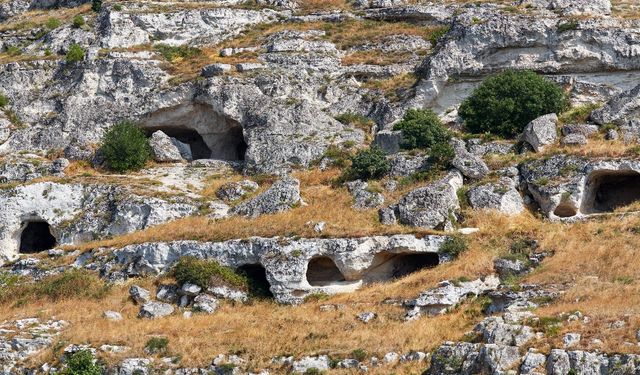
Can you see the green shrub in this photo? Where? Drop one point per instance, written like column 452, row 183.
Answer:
column 171, row 53
column 13, row 51
column 52, row 23
column 453, row 246
column 82, row 363
column 96, row 5
column 205, row 273
column 359, row 355
column 422, row 129
column 3, row 100
column 157, row 345
column 438, row 34
column 356, row 120
column 75, row 53
column 368, row 164
column 441, row 156
column 568, row 26
column 505, row 103
column 117, row 7
column 78, row 21
column 125, row 147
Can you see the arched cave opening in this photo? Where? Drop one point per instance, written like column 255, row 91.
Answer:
column 388, row 266
column 608, row 190
column 36, row 237
column 322, row 271
column 209, row 134
column 565, row 209
column 258, row 284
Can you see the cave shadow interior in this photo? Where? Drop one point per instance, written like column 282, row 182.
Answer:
column 36, row 237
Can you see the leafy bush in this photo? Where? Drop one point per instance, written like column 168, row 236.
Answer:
column 505, row 103
column 52, row 23
column 568, row 26
column 125, row 147
column 356, row 120
column 157, row 345
column 13, row 51
column 78, row 21
column 172, row 53
column 75, row 53
column 117, row 7
column 82, row 363
column 205, row 273
column 96, row 5
column 368, row 164
column 453, row 246
column 422, row 129
column 3, row 100
column 441, row 156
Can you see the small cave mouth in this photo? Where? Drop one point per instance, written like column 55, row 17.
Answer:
column 565, row 210
column 258, row 283
column 608, row 190
column 389, row 266
column 36, row 237
column 210, row 134
column 322, row 271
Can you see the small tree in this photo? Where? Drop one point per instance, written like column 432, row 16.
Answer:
column 422, row 129
column 368, row 164
column 125, row 147
column 505, row 103
column 75, row 53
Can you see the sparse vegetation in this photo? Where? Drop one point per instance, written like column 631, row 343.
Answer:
column 125, row 147
column 422, row 129
column 177, row 53
column 52, row 23
column 505, row 103
column 96, row 5
column 453, row 246
column 3, row 101
column 157, row 345
column 205, row 273
column 75, row 53
column 82, row 363
column 78, row 21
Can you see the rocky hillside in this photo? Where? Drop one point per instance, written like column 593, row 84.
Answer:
column 309, row 186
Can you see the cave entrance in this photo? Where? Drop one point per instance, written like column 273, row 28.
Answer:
column 209, row 134
column 258, row 284
column 608, row 190
column 322, row 271
column 36, row 237
column 387, row 266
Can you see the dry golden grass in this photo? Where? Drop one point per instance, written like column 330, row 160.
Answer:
column 310, row 6
column 37, row 18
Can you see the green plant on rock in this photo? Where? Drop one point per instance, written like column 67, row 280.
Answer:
column 75, row 53
column 173, row 53
column 157, row 345
column 125, row 147
column 78, row 21
column 453, row 246
column 368, row 164
column 96, row 5
column 505, row 103
column 82, row 363
column 3, row 100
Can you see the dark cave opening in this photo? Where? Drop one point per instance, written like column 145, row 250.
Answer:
column 322, row 271
column 258, row 283
column 608, row 190
column 36, row 237
column 389, row 266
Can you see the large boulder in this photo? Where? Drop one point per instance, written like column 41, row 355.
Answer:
column 501, row 196
column 364, row 198
column 153, row 310
column 470, row 165
column 281, row 196
column 164, row 150
column 433, row 206
column 541, row 132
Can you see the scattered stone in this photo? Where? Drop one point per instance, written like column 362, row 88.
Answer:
column 112, row 315
column 305, row 364
column 541, row 132
column 139, row 294
column 366, row 317
column 190, row 290
column 281, row 196
column 217, row 69
column 163, row 148
column 247, row 67
column 154, row 310
column 167, row 293
column 234, row 191
column 585, row 130
column 391, row 357
column 570, row 339
column 501, row 196
column 470, row 165
column 510, row 267
column 363, row 197
column 205, row 303
column 574, row 140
